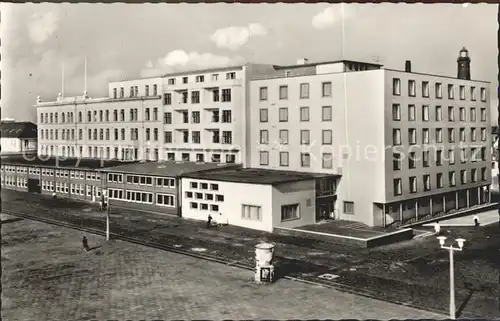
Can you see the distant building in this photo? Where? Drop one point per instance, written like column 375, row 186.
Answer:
column 17, row 137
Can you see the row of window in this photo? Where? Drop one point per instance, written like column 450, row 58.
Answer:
column 474, row 155
column 196, row 118
column 305, row 137
column 412, row 135
column 204, row 186
column 438, row 113
column 438, row 90
column 326, row 114
column 134, row 90
column 208, row 196
column 203, row 206
column 305, row 159
column 413, row 186
column 14, row 182
column 129, row 154
column 54, row 118
column 217, row 138
column 326, row 91
column 223, row 95
column 142, row 197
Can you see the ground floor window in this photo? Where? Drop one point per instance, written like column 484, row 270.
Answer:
column 165, row 200
column 290, row 212
column 139, row 197
column 251, row 212
column 116, row 194
column 348, row 207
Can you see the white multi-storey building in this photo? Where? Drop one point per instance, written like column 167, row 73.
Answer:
column 196, row 116
column 405, row 145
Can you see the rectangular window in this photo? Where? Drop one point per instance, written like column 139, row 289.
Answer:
column 226, row 95
column 411, row 88
column 439, row 113
column 425, row 158
column 439, row 90
column 451, row 135
column 484, row 174
column 473, row 175
column 304, row 113
column 264, row 158
column 463, row 177
column 483, row 94
column 283, row 94
column 397, row 186
column 461, row 135
column 283, row 136
column 326, row 113
column 473, row 134
column 396, row 161
column 396, row 86
column 327, row 160
column 326, row 89
column 251, row 212
column 439, row 135
column 327, row 137
column 304, row 91
column 462, row 113
column 451, row 156
column 451, row 113
column 411, row 160
column 483, row 134
column 462, row 92
column 195, row 97
column 283, row 114
column 304, row 137
column 425, row 136
column 427, row 183
column 412, row 114
column 451, row 92
column 348, row 207
column 412, row 136
column 473, row 93
column 284, row 158
column 473, row 114
column 396, row 137
column 483, row 114
column 305, row 159
column 263, row 93
column 439, row 180
column 425, row 89
column 264, row 115
column 165, row 200
column 413, row 184
column 264, row 136
column 425, row 113
column 290, row 212
column 396, row 112
column 463, row 155
column 439, row 157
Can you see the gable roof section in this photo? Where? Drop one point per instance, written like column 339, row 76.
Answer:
column 18, row 130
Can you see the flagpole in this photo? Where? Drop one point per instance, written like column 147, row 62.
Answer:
column 85, row 85
column 343, row 29
column 62, row 84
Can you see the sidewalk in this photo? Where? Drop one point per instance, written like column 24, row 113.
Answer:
column 374, row 273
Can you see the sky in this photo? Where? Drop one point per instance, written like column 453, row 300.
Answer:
column 127, row 41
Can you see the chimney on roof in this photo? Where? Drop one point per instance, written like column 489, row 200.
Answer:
column 302, row 61
column 408, row 66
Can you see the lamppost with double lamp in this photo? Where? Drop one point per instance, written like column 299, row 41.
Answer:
column 452, row 249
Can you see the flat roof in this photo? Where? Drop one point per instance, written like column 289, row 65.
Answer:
column 167, row 168
column 37, row 161
column 436, row 75
column 312, row 64
column 255, row 176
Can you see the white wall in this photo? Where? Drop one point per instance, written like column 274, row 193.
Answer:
column 330, row 68
column 235, row 194
column 302, row 193
column 10, row 145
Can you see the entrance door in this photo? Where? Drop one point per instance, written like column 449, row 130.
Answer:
column 34, row 186
column 325, row 208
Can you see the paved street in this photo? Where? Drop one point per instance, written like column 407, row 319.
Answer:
column 46, row 275
column 413, row 272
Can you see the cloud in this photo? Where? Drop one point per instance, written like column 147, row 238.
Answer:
column 234, row 37
column 331, row 15
column 42, row 26
column 180, row 60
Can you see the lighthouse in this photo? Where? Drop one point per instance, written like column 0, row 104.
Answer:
column 463, row 64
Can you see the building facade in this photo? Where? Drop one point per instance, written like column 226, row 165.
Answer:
column 253, row 198
column 18, row 137
column 191, row 116
column 405, row 145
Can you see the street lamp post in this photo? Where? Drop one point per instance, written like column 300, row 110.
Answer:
column 451, row 250
column 107, row 222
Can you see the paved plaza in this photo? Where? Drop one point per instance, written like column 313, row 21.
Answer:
column 46, row 275
column 485, row 219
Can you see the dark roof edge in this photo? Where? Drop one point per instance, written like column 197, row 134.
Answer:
column 435, row 75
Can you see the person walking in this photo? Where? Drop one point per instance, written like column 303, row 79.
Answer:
column 437, row 228
column 476, row 220
column 209, row 221
column 85, row 244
